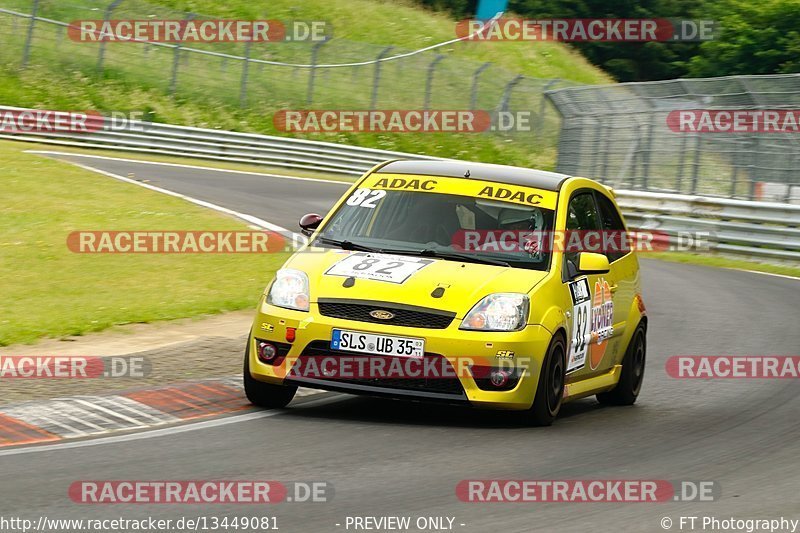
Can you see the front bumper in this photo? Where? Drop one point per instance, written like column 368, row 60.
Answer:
column 313, row 334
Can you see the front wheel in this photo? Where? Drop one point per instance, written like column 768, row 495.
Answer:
column 550, row 390
column 630, row 380
column 265, row 394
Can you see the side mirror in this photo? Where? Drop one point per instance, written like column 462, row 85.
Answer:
column 592, row 263
column 309, row 223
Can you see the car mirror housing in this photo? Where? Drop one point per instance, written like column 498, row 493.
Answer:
column 309, row 222
column 592, row 263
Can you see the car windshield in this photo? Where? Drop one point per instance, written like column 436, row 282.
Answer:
column 441, row 225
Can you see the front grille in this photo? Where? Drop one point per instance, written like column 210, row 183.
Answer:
column 441, row 385
column 414, row 317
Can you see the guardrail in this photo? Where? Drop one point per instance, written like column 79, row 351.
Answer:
column 220, row 145
column 761, row 230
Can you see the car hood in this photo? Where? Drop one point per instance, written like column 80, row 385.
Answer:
column 464, row 283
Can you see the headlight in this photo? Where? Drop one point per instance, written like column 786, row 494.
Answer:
column 289, row 290
column 505, row 311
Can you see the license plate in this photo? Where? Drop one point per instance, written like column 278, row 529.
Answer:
column 356, row 341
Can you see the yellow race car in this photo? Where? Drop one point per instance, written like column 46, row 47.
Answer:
column 488, row 285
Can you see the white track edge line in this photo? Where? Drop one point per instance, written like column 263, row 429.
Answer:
column 183, row 165
column 786, row 276
column 243, row 216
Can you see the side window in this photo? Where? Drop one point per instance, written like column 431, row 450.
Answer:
column 581, row 216
column 612, row 221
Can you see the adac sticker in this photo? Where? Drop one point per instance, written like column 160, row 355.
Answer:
column 489, row 190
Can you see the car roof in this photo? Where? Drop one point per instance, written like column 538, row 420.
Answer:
column 539, row 179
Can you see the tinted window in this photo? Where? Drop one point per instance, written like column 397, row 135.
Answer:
column 612, row 222
column 581, row 216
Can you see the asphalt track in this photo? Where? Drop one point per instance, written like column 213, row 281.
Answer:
column 401, row 458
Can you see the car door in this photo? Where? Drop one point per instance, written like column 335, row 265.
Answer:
column 623, row 273
column 586, row 355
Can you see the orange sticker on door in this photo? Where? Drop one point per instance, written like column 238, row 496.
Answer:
column 602, row 322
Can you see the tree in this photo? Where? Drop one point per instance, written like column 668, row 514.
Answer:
column 626, row 61
column 756, row 38
column 760, row 37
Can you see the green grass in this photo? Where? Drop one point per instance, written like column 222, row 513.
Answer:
column 49, row 291
column 63, row 75
column 403, row 23
column 725, row 262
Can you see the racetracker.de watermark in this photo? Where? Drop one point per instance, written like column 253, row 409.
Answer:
column 382, row 121
column 198, row 31
column 405, row 121
column 192, row 492
column 22, row 121
column 176, row 242
column 734, row 366
column 575, row 241
column 73, row 367
column 734, row 121
column 585, row 491
column 40, row 120
column 400, row 367
column 587, row 30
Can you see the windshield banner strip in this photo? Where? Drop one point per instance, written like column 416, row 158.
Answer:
column 489, row 190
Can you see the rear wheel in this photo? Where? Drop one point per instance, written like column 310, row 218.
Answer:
column 265, row 394
column 550, row 390
column 630, row 380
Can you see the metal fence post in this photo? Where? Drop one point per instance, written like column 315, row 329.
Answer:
column 27, row 52
column 736, row 158
column 648, row 138
column 507, row 92
column 377, row 78
column 540, row 116
column 173, row 80
column 681, row 163
column 176, row 56
column 696, row 162
column 755, row 140
column 596, row 151
column 312, row 74
column 751, row 167
column 473, row 99
column 429, row 80
column 245, row 66
column 101, row 54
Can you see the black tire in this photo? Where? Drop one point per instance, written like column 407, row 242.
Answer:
column 630, row 380
column 550, row 390
column 265, row 394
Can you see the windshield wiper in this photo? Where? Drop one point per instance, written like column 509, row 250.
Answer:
column 348, row 245
column 468, row 258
